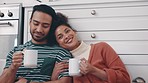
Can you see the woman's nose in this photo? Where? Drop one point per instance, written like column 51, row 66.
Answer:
column 66, row 36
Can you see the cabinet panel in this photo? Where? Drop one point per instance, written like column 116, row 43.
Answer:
column 123, row 25
column 135, row 59
column 114, row 35
column 127, row 47
column 120, row 23
column 106, row 12
column 137, row 71
column 2, row 65
column 9, row 27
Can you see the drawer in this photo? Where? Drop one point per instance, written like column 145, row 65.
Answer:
column 136, row 65
column 138, row 71
column 9, row 27
column 2, row 65
column 103, row 12
column 114, row 35
column 123, row 42
column 126, row 23
column 127, row 47
column 135, row 59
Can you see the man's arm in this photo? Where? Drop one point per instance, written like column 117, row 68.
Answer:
column 8, row 75
column 62, row 80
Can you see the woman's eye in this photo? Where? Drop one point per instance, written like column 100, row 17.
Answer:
column 59, row 37
column 67, row 31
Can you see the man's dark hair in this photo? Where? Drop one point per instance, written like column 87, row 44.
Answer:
column 45, row 9
column 50, row 11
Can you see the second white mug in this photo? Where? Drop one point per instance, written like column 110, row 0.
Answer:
column 74, row 67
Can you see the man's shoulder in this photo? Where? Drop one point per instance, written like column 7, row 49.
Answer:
column 61, row 50
column 22, row 46
column 58, row 47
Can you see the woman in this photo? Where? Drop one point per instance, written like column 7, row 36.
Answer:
column 99, row 62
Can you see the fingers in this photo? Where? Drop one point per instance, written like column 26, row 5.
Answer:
column 61, row 65
column 84, row 66
column 17, row 59
column 83, row 59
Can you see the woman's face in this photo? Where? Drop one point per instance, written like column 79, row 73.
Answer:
column 66, row 37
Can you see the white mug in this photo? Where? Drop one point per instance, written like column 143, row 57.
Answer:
column 30, row 58
column 74, row 67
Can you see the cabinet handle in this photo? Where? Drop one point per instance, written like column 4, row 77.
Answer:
column 7, row 23
column 93, row 35
column 93, row 12
column 138, row 80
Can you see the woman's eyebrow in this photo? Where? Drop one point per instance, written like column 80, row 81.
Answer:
column 65, row 29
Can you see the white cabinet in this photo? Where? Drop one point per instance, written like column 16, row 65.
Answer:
column 2, row 65
column 123, row 25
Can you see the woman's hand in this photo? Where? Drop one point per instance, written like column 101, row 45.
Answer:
column 58, row 68
column 85, row 67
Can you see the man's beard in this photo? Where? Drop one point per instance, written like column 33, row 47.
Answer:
column 39, row 40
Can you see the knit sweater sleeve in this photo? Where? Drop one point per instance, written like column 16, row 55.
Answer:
column 115, row 70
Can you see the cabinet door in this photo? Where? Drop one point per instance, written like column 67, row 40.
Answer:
column 124, row 26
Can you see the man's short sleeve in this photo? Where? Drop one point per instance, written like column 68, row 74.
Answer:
column 63, row 55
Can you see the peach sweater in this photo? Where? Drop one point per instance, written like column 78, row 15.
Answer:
column 104, row 57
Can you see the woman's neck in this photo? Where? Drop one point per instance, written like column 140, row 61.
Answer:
column 81, row 49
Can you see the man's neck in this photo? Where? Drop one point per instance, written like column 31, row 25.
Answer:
column 36, row 42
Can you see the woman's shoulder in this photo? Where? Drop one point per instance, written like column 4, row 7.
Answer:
column 101, row 44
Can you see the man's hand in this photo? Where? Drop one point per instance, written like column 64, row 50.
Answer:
column 17, row 60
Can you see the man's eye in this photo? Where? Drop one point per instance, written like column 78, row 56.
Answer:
column 46, row 26
column 35, row 23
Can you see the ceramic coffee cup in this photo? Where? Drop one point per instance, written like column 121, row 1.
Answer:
column 74, row 67
column 30, row 58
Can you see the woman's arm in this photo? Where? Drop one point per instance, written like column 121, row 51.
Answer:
column 58, row 68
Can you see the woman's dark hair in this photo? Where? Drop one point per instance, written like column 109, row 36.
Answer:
column 62, row 20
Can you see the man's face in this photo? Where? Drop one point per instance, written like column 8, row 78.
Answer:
column 39, row 27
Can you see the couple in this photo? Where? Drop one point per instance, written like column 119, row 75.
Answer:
column 102, row 64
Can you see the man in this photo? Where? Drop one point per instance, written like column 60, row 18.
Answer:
column 41, row 21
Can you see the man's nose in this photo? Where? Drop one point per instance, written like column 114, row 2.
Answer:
column 39, row 28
